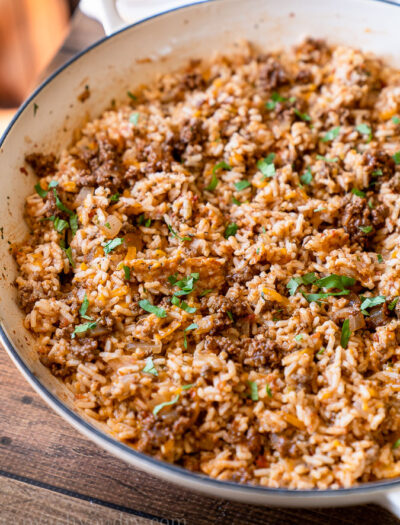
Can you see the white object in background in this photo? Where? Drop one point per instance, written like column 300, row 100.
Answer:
column 115, row 14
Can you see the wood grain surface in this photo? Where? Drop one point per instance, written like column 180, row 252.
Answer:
column 50, row 474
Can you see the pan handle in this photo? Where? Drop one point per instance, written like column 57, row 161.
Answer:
column 105, row 11
column 390, row 501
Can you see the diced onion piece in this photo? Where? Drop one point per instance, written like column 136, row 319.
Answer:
column 111, row 227
column 356, row 321
column 83, row 193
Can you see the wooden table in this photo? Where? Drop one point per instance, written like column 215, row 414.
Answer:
column 50, row 474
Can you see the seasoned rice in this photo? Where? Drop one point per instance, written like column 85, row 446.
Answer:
column 172, row 276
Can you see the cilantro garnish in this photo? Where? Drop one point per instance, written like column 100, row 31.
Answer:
column 174, row 234
column 396, row 120
column 369, row 302
column 392, row 305
column 295, row 282
column 365, row 229
column 84, row 306
column 359, row 193
column 307, row 177
column 230, row 230
column 182, row 305
column 266, row 166
column 157, row 408
column 331, row 134
column 242, row 185
column 82, row 328
column 111, row 245
column 396, row 157
column 302, row 116
column 253, row 390
column 134, row 118
column 268, row 390
column 364, row 129
column 346, row 333
column 115, row 197
column 150, row 368
column 151, row 308
column 235, row 201
column 321, row 157
column 127, row 272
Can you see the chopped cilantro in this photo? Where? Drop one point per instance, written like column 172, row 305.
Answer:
column 115, row 197
column 73, row 222
column 268, row 390
column 266, row 166
column 299, row 337
column 275, row 98
column 221, row 165
column 332, row 134
column 40, row 191
column 157, row 408
column 192, row 326
column 213, row 183
column 151, row 308
column 82, row 328
column 134, row 118
column 107, row 225
column 392, row 305
column 380, row 258
column 59, row 224
column 150, row 368
column 182, row 305
column 174, row 234
column 396, row 157
column 230, row 315
column 186, row 284
column 321, row 157
column 205, row 292
column 321, row 351
column 230, row 230
column 131, row 95
column 364, row 129
column 369, row 302
column 127, row 272
column 242, row 185
column 365, row 229
column 396, row 120
column 346, row 333
column 335, row 281
column 235, row 201
column 68, row 253
column 319, row 209
column 302, row 116
column 84, row 306
column 111, row 245
column 295, row 282
column 359, row 193
column 377, row 173
column 316, row 297
column 253, row 390
column 307, row 177
column 148, row 223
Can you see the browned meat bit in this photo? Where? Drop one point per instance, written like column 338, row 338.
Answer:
column 304, row 76
column 351, row 312
column 86, row 348
column 285, row 445
column 192, row 81
column 27, row 297
column 241, row 276
column 272, row 75
column 250, row 352
column 379, row 165
column 52, row 206
column 378, row 316
column 313, row 50
column 43, row 165
column 359, row 220
column 221, row 304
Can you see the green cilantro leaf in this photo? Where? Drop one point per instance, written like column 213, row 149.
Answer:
column 253, row 390
column 396, row 157
column 364, row 129
column 174, row 234
column 299, row 337
column 365, row 229
column 131, row 95
column 73, row 222
column 359, row 193
column 346, row 333
column 335, row 281
column 307, row 177
column 396, row 120
column 380, row 258
column 321, row 157
column 332, row 134
column 295, row 282
column 235, row 201
column 182, row 305
column 134, row 118
column 111, row 245
column 302, row 116
column 84, row 306
column 392, row 305
column 242, row 185
column 127, row 272
column 268, row 390
column 151, row 308
column 221, row 165
column 82, row 328
column 266, row 166
column 150, row 368
column 230, row 230
column 369, row 302
column 115, row 197
column 165, row 404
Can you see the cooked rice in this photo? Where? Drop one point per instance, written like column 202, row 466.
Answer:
column 264, row 388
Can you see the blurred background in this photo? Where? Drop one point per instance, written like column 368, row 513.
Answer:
column 36, row 37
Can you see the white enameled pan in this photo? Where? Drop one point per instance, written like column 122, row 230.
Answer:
column 46, row 122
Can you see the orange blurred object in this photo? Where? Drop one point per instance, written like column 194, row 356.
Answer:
column 31, row 31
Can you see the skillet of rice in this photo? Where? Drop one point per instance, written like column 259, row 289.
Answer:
column 213, row 267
